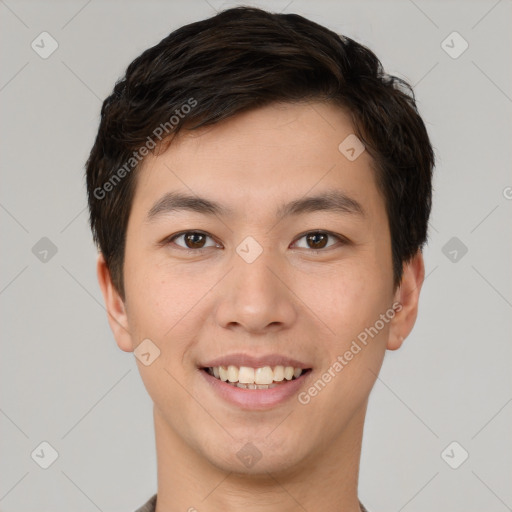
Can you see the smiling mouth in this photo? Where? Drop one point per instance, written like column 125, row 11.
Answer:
column 256, row 378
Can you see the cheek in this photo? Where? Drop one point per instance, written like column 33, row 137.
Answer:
column 352, row 296
column 165, row 301
column 150, row 303
column 352, row 308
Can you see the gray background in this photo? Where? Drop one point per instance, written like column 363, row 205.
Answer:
column 63, row 379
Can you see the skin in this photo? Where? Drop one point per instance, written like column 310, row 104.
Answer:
column 289, row 300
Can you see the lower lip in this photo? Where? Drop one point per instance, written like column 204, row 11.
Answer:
column 256, row 399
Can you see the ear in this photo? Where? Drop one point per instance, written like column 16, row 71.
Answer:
column 406, row 297
column 115, row 306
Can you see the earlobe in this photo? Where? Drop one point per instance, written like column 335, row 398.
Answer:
column 116, row 310
column 407, row 298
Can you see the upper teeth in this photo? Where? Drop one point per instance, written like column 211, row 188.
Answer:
column 247, row 375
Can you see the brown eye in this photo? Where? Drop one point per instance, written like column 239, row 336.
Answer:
column 192, row 240
column 317, row 240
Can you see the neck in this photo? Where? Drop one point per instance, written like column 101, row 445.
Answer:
column 326, row 480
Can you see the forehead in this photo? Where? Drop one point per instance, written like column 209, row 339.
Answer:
column 263, row 157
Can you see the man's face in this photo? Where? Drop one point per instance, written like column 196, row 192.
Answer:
column 252, row 284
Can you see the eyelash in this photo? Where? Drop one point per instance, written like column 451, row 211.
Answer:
column 170, row 240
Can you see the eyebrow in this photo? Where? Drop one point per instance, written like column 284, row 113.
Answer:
column 331, row 200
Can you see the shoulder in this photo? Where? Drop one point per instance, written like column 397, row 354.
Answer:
column 149, row 506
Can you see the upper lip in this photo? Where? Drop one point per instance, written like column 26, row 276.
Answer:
column 240, row 359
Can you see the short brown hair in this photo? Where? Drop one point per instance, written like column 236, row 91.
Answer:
column 244, row 58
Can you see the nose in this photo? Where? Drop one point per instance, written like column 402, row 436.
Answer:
column 256, row 297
